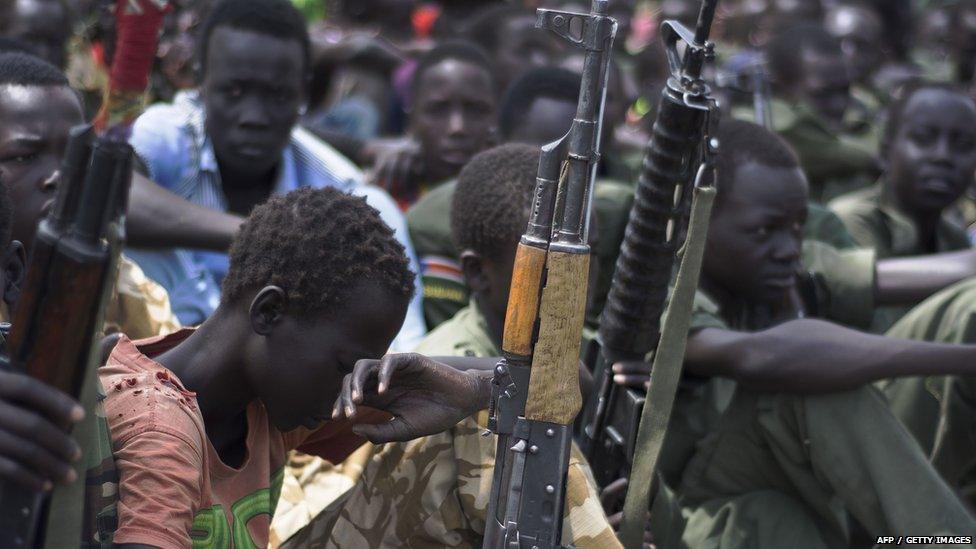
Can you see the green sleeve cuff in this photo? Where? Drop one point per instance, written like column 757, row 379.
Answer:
column 849, row 280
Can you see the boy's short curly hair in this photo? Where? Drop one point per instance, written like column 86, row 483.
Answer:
column 493, row 199
column 316, row 244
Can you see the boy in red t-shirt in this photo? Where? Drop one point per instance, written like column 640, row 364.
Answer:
column 202, row 420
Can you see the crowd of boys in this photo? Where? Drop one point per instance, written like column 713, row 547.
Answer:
column 322, row 228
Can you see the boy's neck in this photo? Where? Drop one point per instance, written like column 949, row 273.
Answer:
column 730, row 307
column 926, row 223
column 210, row 362
column 496, row 326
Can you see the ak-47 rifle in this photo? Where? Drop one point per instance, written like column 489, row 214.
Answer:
column 750, row 79
column 74, row 262
column 536, row 386
column 630, row 327
column 58, row 318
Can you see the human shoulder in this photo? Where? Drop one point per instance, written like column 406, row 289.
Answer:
column 465, row 334
column 141, row 396
column 706, row 313
column 863, row 215
column 859, row 202
column 433, row 201
column 160, row 138
column 825, row 226
column 429, row 221
column 139, row 307
column 312, row 148
column 948, row 316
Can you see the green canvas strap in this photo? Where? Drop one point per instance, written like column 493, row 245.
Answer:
column 666, row 371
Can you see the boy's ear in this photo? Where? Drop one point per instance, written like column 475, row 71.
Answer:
column 267, row 309
column 473, row 268
column 14, row 268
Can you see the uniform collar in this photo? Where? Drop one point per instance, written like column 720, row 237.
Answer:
column 904, row 235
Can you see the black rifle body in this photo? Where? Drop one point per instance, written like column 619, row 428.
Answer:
column 57, row 320
column 631, row 320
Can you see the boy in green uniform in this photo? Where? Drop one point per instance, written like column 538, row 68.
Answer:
column 929, row 153
column 930, row 158
column 537, row 109
column 776, row 437
column 815, row 113
column 434, row 491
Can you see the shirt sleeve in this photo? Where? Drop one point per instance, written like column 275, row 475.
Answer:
column 849, row 280
column 334, row 440
column 160, row 144
column 160, row 488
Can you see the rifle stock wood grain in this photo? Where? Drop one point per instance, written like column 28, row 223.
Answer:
column 554, row 394
column 523, row 300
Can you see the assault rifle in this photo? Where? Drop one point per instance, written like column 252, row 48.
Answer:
column 536, row 386
column 58, row 318
column 631, row 322
column 750, row 79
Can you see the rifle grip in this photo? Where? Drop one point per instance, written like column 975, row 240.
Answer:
column 523, row 300
column 554, row 393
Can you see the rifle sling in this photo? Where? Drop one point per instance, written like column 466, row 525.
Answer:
column 666, row 372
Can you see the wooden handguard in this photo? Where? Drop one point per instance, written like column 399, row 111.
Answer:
column 523, row 300
column 554, row 394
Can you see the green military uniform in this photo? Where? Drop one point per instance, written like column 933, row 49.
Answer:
column 779, row 470
column 874, row 223
column 824, row 226
column 429, row 223
column 835, row 163
column 433, row 491
column 843, row 283
column 445, row 292
column 940, row 410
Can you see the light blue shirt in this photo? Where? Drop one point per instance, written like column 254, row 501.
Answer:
column 171, row 140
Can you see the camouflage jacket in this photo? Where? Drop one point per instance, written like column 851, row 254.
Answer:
column 434, row 491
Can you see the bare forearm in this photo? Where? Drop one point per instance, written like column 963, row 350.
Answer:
column 909, row 280
column 159, row 218
column 811, row 356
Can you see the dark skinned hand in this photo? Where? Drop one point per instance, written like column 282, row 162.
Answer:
column 35, row 449
column 635, row 374
column 612, row 498
column 424, row 396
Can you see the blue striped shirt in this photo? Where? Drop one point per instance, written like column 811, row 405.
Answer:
column 171, row 140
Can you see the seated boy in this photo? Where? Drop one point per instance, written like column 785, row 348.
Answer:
column 201, row 420
column 929, row 154
column 777, row 438
column 433, row 491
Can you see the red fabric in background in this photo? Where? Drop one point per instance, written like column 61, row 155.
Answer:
column 138, row 34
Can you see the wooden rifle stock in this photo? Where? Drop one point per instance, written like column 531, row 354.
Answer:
column 536, row 388
column 57, row 319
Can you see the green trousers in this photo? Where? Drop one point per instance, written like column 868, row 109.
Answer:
column 940, row 412
column 788, row 471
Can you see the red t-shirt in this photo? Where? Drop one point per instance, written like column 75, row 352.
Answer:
column 173, row 487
